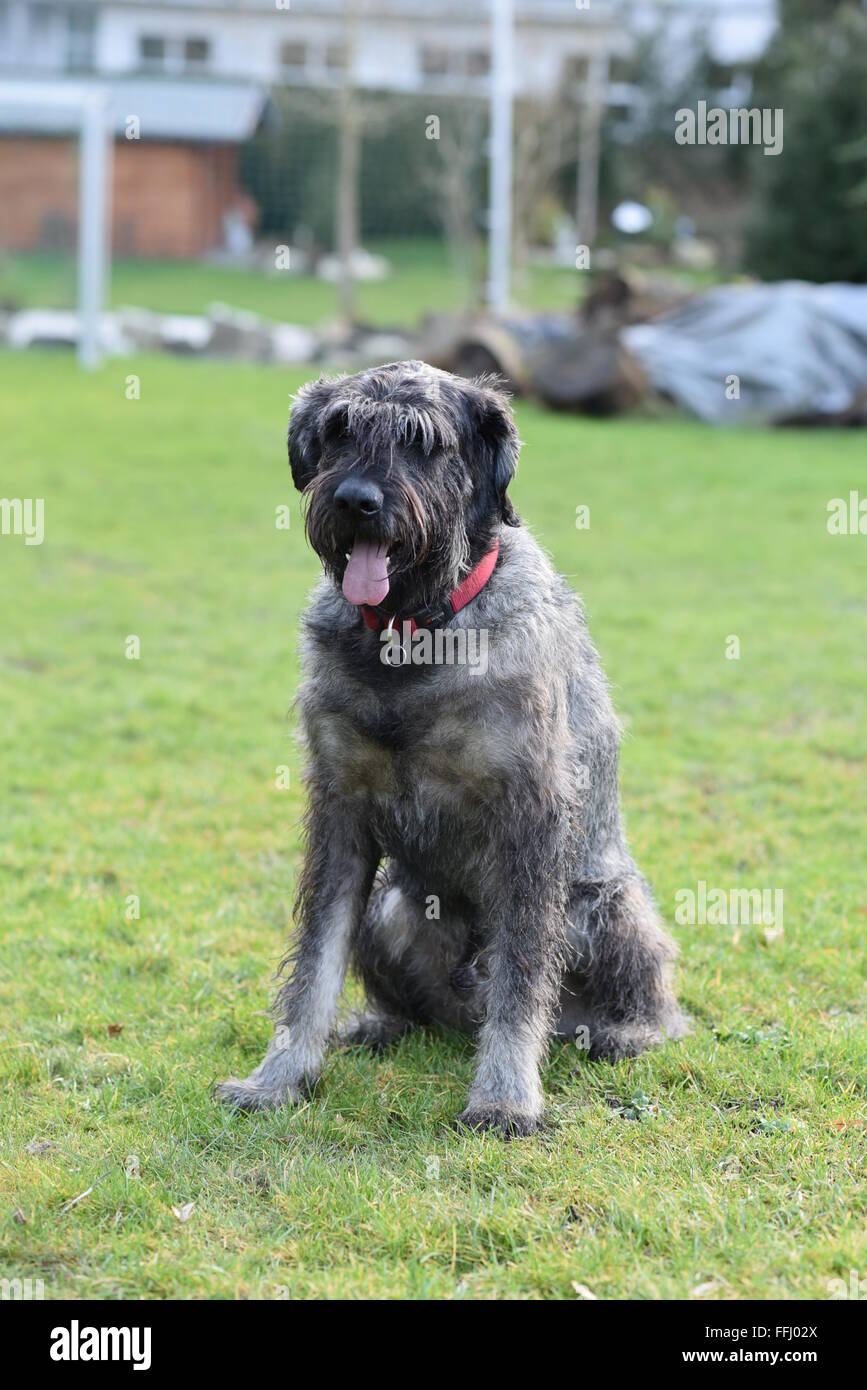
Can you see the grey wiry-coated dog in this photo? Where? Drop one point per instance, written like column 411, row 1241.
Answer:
column 464, row 844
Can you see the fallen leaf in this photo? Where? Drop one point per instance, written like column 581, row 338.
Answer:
column 185, row 1212
column 113, row 1029
column 38, row 1147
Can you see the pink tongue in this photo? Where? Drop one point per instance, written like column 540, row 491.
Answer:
column 366, row 576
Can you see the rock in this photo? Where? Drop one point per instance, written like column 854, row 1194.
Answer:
column 142, row 328
column 185, row 333
column 376, row 348
column 238, row 334
column 34, row 328
column 291, row 343
column 364, row 266
column 43, row 328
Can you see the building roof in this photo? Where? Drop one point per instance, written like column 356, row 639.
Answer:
column 211, row 111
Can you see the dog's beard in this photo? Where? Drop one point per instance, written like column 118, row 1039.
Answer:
column 407, row 555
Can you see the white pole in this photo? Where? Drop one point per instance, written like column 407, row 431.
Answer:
column 92, row 228
column 588, row 152
column 348, row 163
column 500, row 210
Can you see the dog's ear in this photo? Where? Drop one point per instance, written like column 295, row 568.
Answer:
column 305, row 430
column 500, row 444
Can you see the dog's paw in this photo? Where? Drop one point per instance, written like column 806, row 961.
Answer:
column 613, row 1048
column 248, row 1096
column 507, row 1120
column 616, row 1041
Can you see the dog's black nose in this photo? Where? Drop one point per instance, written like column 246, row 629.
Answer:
column 358, row 497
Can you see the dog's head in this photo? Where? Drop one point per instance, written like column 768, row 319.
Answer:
column 405, row 471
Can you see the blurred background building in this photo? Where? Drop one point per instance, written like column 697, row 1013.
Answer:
column 350, row 167
column 195, row 77
column 397, row 45
column 175, row 188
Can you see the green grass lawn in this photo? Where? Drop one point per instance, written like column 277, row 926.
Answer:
column 421, row 280
column 727, row 1166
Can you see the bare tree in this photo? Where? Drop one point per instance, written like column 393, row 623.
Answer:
column 452, row 176
column 351, row 113
column 546, row 140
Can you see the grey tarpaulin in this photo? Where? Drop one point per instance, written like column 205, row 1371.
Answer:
column 797, row 350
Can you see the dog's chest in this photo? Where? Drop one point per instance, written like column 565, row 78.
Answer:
column 425, row 753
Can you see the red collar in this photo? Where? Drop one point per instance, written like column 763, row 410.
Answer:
column 457, row 599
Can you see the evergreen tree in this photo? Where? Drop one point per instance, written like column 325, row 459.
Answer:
column 809, row 220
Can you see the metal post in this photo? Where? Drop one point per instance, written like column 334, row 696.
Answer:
column 348, row 167
column 588, row 151
column 92, row 223
column 500, row 210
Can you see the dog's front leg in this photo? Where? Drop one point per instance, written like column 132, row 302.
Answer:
column 338, row 873
column 525, row 969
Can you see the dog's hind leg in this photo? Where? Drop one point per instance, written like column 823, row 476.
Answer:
column 374, row 1030
column 409, row 966
column 617, row 998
